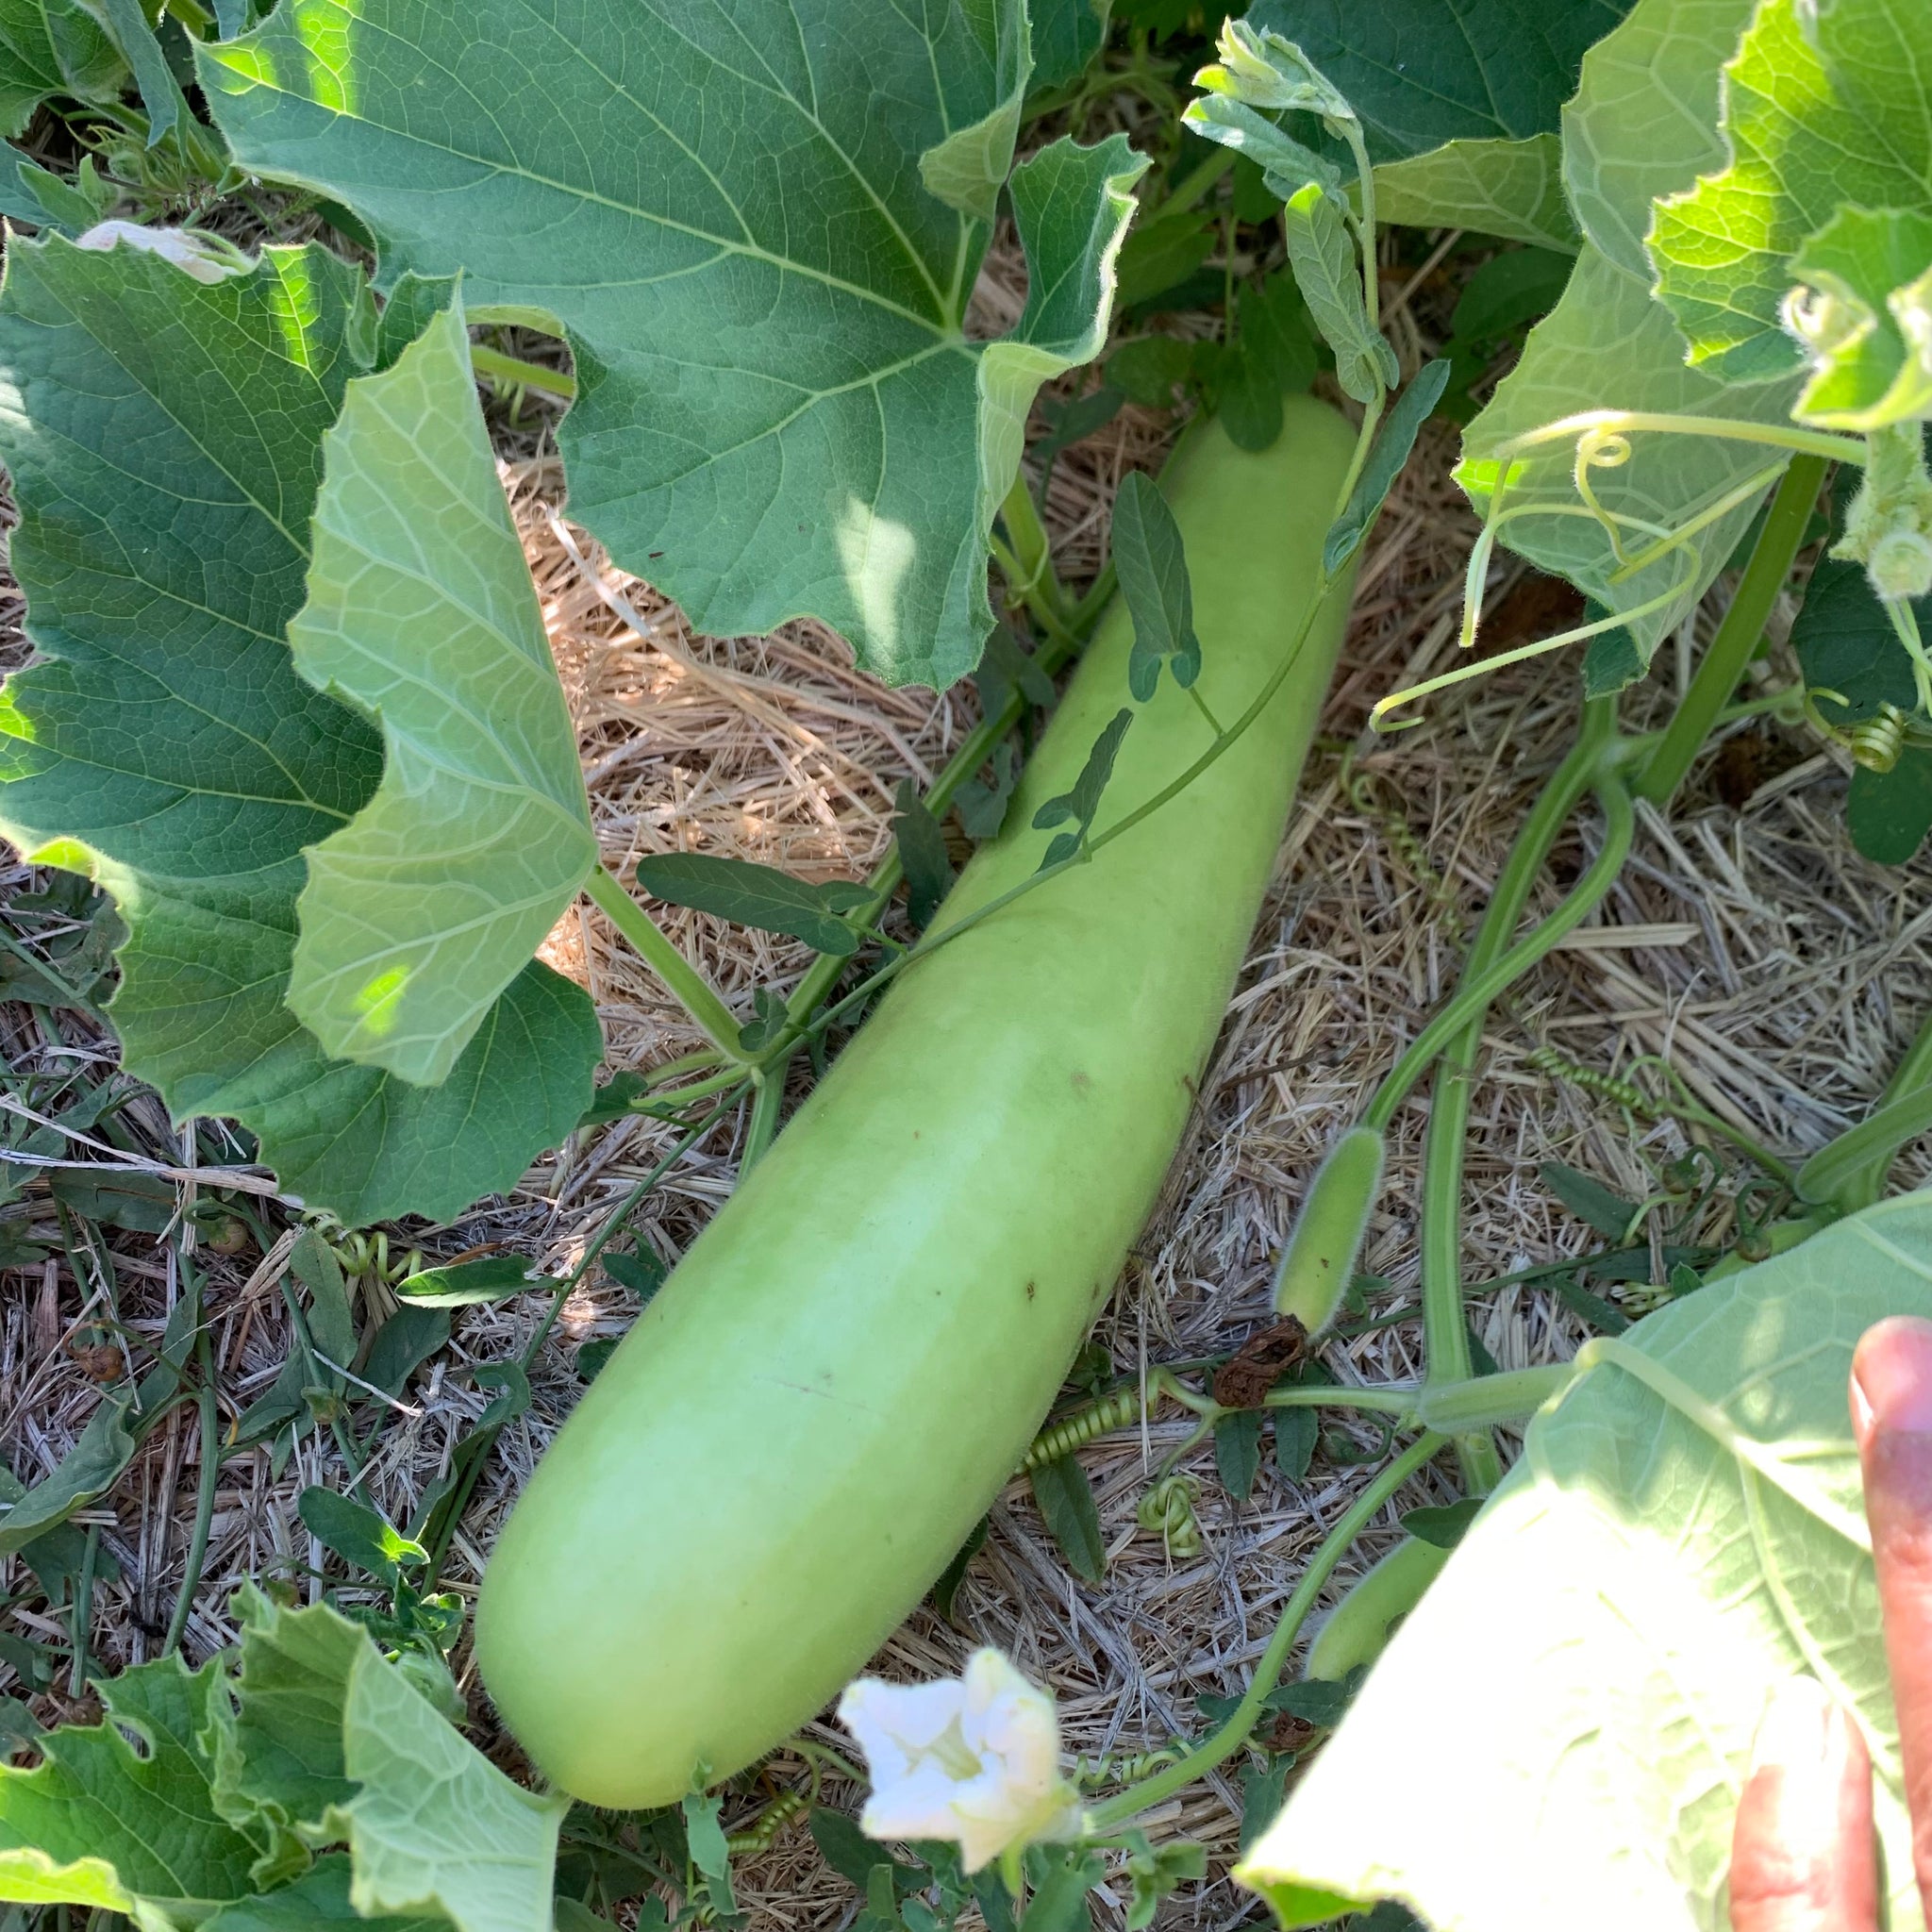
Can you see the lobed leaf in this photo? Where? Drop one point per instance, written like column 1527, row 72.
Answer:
column 421, row 613
column 1683, row 1531
column 53, row 47
column 164, row 437
column 433, row 1826
column 778, row 412
column 1802, row 77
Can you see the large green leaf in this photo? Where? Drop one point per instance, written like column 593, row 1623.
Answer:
column 1421, row 72
column 435, row 1825
column 1644, row 119
column 99, row 1822
column 50, row 47
column 421, row 611
column 1513, row 188
column 1607, row 345
column 1825, row 107
column 1684, row 1531
column 758, row 224
column 313, row 1903
column 165, row 436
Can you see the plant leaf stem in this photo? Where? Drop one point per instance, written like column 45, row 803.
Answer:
column 1445, row 1327
column 1475, row 994
column 1876, row 1138
column 1861, row 1187
column 207, row 1475
column 692, row 990
column 1030, row 563
column 1737, row 637
column 500, row 368
column 768, row 1092
column 1216, row 1749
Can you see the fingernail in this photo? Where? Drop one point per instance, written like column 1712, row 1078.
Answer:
column 1891, row 1379
column 1795, row 1731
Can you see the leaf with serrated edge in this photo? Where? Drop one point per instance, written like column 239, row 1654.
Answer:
column 1803, row 77
column 1682, row 1532
column 1861, row 312
column 421, row 612
column 97, row 1817
column 1513, row 188
column 1421, row 72
column 435, row 1825
column 1607, row 345
column 779, row 411
column 1643, row 121
column 164, row 439
column 280, row 1761
column 51, row 48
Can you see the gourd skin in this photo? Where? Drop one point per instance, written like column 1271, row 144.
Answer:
column 812, row 1413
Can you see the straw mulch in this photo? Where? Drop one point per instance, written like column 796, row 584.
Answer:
column 1781, row 973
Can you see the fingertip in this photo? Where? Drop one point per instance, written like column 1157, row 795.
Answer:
column 1891, row 1379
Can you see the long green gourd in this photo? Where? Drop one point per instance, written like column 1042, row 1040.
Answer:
column 813, row 1412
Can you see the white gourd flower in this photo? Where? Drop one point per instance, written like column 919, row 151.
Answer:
column 204, row 256
column 972, row 1759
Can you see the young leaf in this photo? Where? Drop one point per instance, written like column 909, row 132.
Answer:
column 642, row 1273
column 1083, row 801
column 331, row 1324
column 1153, row 566
column 28, row 192
column 434, row 1825
column 921, row 854
column 982, row 805
column 356, row 1534
column 160, row 92
column 1328, row 272
column 402, row 1345
column 168, row 734
column 1287, row 165
column 1060, row 1900
column 704, row 1836
column 1689, row 1519
column 99, row 1824
column 1392, row 444
column 748, row 895
column 1150, row 368
column 422, row 909
column 1065, row 1498
column 92, row 1466
column 1420, row 73
column 945, row 1592
column 1864, row 310
column 1238, row 1452
column 1589, row 1200
column 1445, row 1527
column 1889, row 813
column 462, row 1285
column 1297, row 1432
column 1801, row 77
column 1263, row 1786
column 786, row 417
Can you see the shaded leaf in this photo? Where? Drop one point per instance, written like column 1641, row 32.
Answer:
column 982, row 803
column 750, row 894
column 49, row 47
column 1149, row 369
column 1083, row 801
column 642, row 1273
column 781, row 413
column 160, row 92
column 946, row 1589
column 30, row 194
column 1391, row 450
column 1297, row 1432
column 331, row 1323
column 117, row 1197
column 1513, row 188
column 1238, row 1451
column 1689, row 1518
column 319, row 1899
column 402, row 1345
column 421, row 911
column 92, row 1466
column 1147, row 552
column 167, row 743
column 1853, row 661
column 921, row 854
column 1065, row 1499
column 1443, row 1527
column 1889, row 813
column 1066, row 36
column 1589, row 1199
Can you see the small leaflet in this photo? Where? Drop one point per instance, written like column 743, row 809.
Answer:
column 1328, row 271
column 1153, row 566
column 756, row 895
column 1412, row 408
column 921, row 854
column 465, row 1284
column 1066, row 1505
column 1083, row 801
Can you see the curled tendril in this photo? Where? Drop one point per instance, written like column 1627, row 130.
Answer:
column 1166, row 1509
column 1602, row 440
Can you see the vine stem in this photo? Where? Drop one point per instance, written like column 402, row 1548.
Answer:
column 1475, row 995
column 1862, row 1185
column 208, row 1476
column 513, row 369
column 689, row 988
column 1445, row 1329
column 1876, row 1138
column 1842, row 449
column 1224, row 1742
column 1737, row 637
